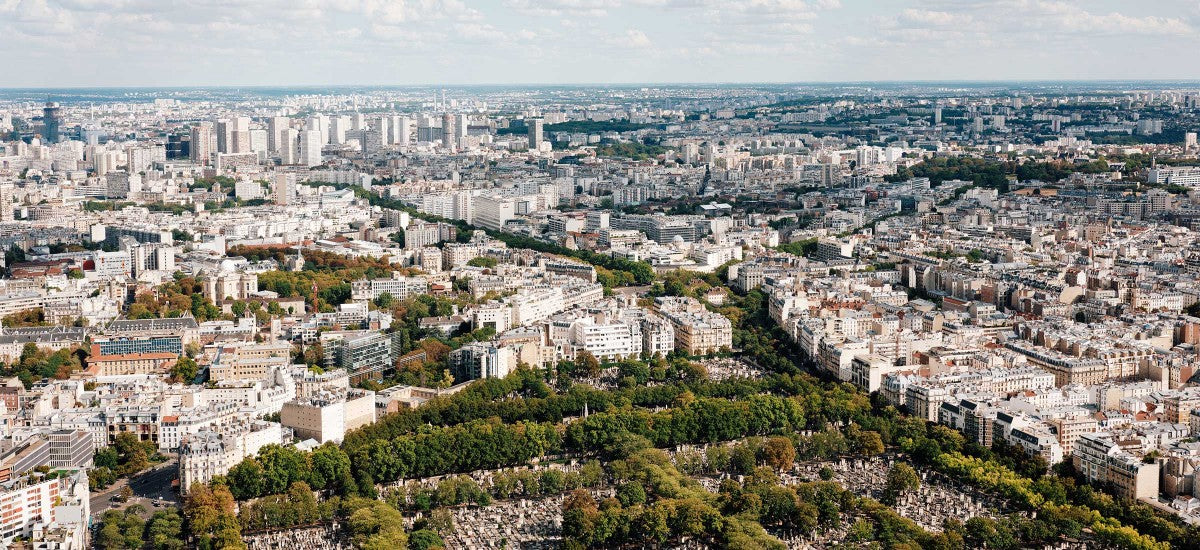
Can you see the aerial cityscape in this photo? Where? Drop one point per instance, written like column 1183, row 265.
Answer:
column 504, row 300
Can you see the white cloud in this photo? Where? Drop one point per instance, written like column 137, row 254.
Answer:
column 119, row 42
column 1026, row 17
column 562, row 8
column 637, row 39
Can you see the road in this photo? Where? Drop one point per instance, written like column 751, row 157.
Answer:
column 151, row 485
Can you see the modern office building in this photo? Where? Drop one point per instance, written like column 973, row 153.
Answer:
column 203, row 143
column 284, row 188
column 52, row 122
column 310, row 148
column 535, row 133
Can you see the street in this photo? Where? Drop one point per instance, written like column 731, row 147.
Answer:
column 149, row 486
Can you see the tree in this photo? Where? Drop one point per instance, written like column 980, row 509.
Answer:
column 441, row 520
column 106, row 458
column 133, row 455
column 121, row 530
column 203, row 309
column 25, row 318
column 184, row 370
column 552, row 481
column 425, row 539
column 779, row 453
column 901, row 479
column 580, row 515
column 742, row 459
column 282, row 466
column 165, row 530
column 246, row 479
column 211, row 519
column 675, row 287
column 375, row 525
column 866, row 442
column 586, row 362
column 314, row 355
column 385, row 300
column 630, row 493
column 482, row 261
column 331, row 469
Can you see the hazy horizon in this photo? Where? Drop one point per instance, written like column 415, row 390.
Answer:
column 631, row 84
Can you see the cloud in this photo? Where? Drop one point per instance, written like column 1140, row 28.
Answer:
column 637, row 39
column 1034, row 17
column 935, row 18
column 562, row 8
column 122, row 42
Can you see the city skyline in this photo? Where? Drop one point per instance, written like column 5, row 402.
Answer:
column 229, row 43
column 593, row 274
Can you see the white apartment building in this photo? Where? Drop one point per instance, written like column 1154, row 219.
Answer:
column 607, row 340
column 265, row 396
column 328, row 415
column 214, row 451
column 496, row 315
column 658, row 336
column 1182, row 175
column 289, row 146
column 493, row 212
column 398, row 286
column 248, row 189
column 311, row 142
column 30, row 504
column 188, row 421
column 1030, row 435
column 534, row 305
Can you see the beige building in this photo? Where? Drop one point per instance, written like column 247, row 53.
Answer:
column 248, row 361
column 150, row 363
column 1069, row 430
column 1102, row 461
column 328, row 415
column 230, row 286
column 697, row 330
column 1178, row 408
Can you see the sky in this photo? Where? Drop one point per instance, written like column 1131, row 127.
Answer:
column 81, row 43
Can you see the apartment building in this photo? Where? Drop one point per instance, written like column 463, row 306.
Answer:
column 248, row 361
column 213, row 451
column 328, row 415
column 481, row 360
column 150, row 363
column 1101, row 460
column 398, row 286
column 606, row 339
column 697, row 330
column 30, row 504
